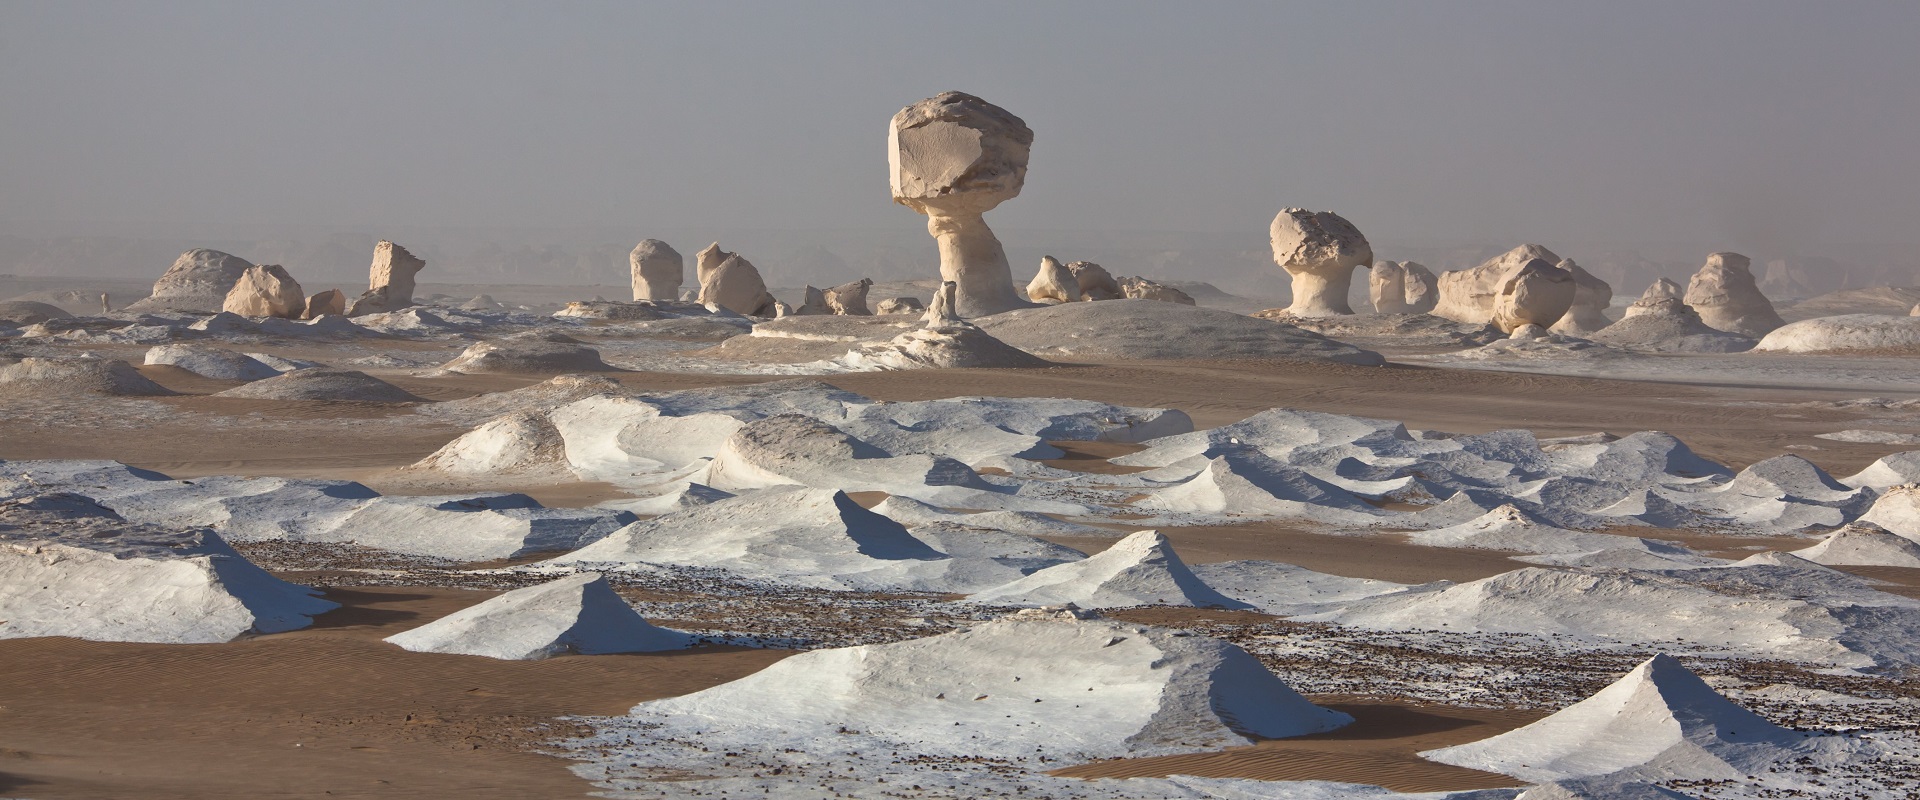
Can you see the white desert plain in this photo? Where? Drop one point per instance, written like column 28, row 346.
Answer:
column 1004, row 531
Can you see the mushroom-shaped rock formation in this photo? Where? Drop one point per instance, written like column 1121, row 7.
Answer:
column 1319, row 249
column 1094, row 281
column 1591, row 296
column 1467, row 295
column 1143, row 289
column 1538, row 294
column 850, row 299
column 658, row 270
column 1402, row 287
column 266, row 291
column 198, row 281
column 1053, row 284
column 1655, row 298
column 1724, row 293
column 389, row 281
column 331, row 301
column 954, row 157
column 900, row 305
column 732, row 283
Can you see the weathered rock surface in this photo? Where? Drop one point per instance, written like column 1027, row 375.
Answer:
column 331, row 301
column 899, row 305
column 266, row 290
column 28, row 312
column 1320, row 249
column 1537, row 294
column 1402, row 287
column 1591, row 297
column 323, row 384
column 1142, row 289
column 954, row 157
column 733, row 283
column 657, row 269
column 198, row 281
column 578, row 614
column 1856, row 333
column 1724, row 294
column 1094, row 281
column 1053, row 283
column 64, row 377
column 1654, row 300
column 1668, row 326
column 1468, row 295
column 390, row 281
column 548, row 353
column 850, row 299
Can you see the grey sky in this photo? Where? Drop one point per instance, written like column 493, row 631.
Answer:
column 1777, row 124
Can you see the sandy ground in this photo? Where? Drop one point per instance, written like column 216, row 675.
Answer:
column 332, row 711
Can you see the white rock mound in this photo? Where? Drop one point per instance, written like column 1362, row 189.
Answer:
column 266, row 291
column 211, row 362
column 519, row 443
column 198, row 282
column 390, row 281
column 537, row 353
column 1850, row 333
column 1402, row 287
column 1140, row 570
column 850, row 299
column 28, row 312
column 68, row 376
column 1600, row 789
column 323, row 384
column 1725, row 295
column 953, row 345
column 579, row 614
column 1468, row 295
column 1658, row 292
column 1139, row 329
column 1591, row 296
column 1073, row 688
column 1137, row 288
column 1864, row 544
column 1320, row 249
column 1538, row 294
column 1512, row 529
column 1666, row 325
column 1659, row 722
column 954, row 157
column 69, row 567
column 731, row 282
column 657, row 270
column 1053, row 284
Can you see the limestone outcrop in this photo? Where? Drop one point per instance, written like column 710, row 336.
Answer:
column 1143, row 289
column 266, row 290
column 941, row 310
column 1095, row 282
column 1053, row 283
column 1591, row 297
column 850, row 299
column 1727, row 298
column 733, row 283
column 657, row 269
column 814, row 303
column 331, row 301
column 900, row 305
column 1655, row 298
column 389, row 281
column 1467, row 295
column 1666, row 325
column 1538, row 294
column 1319, row 249
column 954, row 157
column 1402, row 287
column 198, row 282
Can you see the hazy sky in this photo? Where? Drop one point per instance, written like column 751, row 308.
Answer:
column 1777, row 124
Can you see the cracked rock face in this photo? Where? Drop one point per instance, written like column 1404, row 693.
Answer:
column 954, row 157
column 657, row 269
column 1402, row 287
column 1320, row 249
column 1728, row 299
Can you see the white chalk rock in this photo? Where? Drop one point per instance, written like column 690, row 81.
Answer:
column 1058, row 684
column 390, row 281
column 657, row 270
column 266, row 291
column 1142, row 289
column 1591, row 297
column 1725, row 295
column 536, row 353
column 1053, row 283
column 1659, row 722
column 1320, row 249
column 1897, row 511
column 69, row 567
column 67, row 376
column 1512, row 529
column 1140, row 570
column 954, row 157
column 1845, row 333
column 954, row 345
column 1468, row 295
column 1656, row 298
column 900, row 305
column 198, row 281
column 28, row 312
column 1863, row 544
column 943, row 309
column 1667, row 325
column 321, row 304
column 1402, row 287
column 516, row 443
column 1888, row 472
column 733, row 283
column 1536, row 294
column 1602, row 788
column 850, row 299
column 1094, row 281
column 210, row 362
column 579, row 614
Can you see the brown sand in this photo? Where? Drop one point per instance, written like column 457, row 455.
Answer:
column 1378, row 748
column 330, row 711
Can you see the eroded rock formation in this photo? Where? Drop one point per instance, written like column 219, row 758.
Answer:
column 1320, row 249
column 1468, row 295
column 1725, row 295
column 954, row 157
column 1539, row 293
column 657, row 269
column 198, row 281
column 850, row 299
column 1402, row 287
column 1591, row 297
column 389, row 281
column 1053, row 283
column 266, row 290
